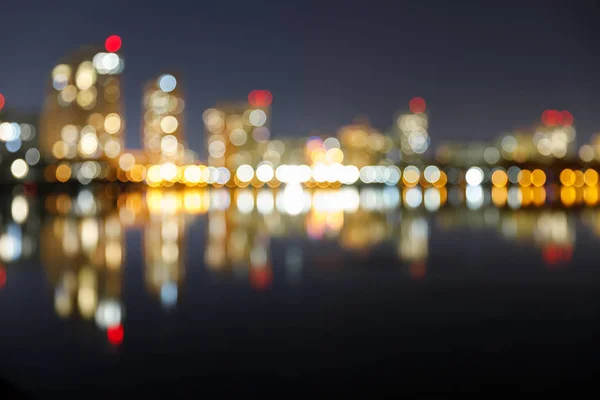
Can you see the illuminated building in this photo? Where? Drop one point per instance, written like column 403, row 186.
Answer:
column 19, row 150
column 163, row 123
column 412, row 131
column 238, row 134
column 82, row 251
column 82, row 118
column 362, row 145
column 467, row 154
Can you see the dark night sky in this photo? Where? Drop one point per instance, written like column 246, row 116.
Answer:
column 484, row 67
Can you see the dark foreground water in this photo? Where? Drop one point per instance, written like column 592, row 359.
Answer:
column 198, row 292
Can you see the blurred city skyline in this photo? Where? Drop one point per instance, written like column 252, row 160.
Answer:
column 328, row 64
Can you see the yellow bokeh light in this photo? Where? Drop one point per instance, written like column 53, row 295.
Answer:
column 568, row 195
column 112, row 123
column 169, row 124
column 334, row 155
column 538, row 178
column 590, row 195
column 411, row 176
column 567, row 177
column 63, row 173
column 579, row 179
column 499, row 196
column 590, row 177
column 524, row 178
column 499, row 178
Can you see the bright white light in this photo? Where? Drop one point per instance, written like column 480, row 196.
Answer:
column 265, row 173
column 167, row 83
column 474, row 176
column 168, row 172
column 350, row 175
column 258, row 117
column 19, row 168
column 7, row 132
column 245, row 173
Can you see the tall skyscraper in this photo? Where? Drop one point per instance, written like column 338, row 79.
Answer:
column 82, row 117
column 412, row 130
column 163, row 124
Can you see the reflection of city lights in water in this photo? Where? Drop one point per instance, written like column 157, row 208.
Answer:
column 3, row 277
column 432, row 199
column 293, row 264
column 19, row 209
column 265, row 202
column 168, row 294
column 108, row 314
column 514, row 197
column 11, row 244
column 245, row 201
column 474, row 195
column 115, row 334
column 413, row 197
column 293, row 200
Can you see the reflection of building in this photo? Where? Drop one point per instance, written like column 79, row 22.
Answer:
column 237, row 134
column 238, row 241
column 164, row 249
column 19, row 231
column 163, row 124
column 82, row 116
column 82, row 251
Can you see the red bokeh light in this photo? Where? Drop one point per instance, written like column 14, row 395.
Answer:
column 113, row 43
column 2, row 101
column 260, row 98
column 261, row 278
column 551, row 117
column 554, row 254
column 2, row 276
column 555, row 117
column 115, row 334
column 418, row 270
column 566, row 118
column 417, row 105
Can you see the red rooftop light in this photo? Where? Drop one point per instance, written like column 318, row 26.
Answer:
column 113, row 43
column 260, row 98
column 417, row 105
column 555, row 118
column 2, row 101
column 567, row 118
